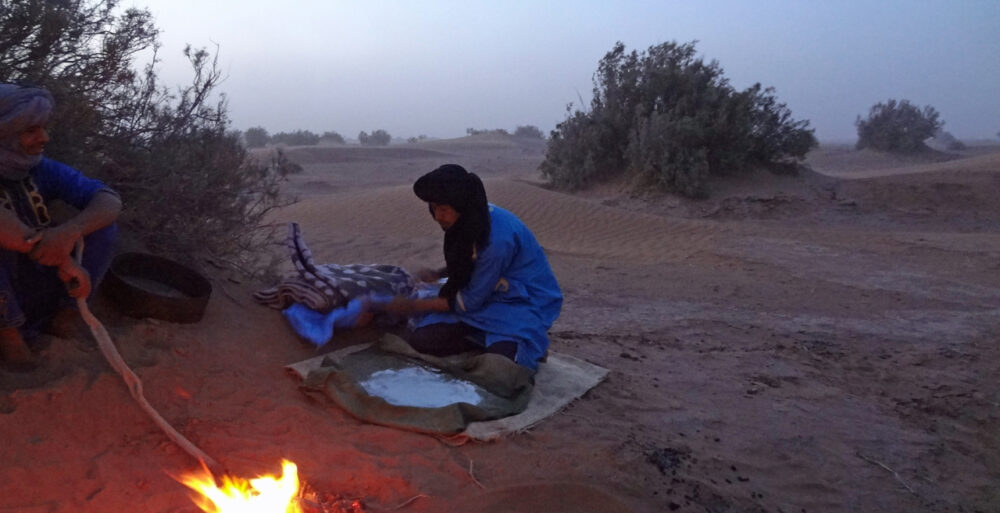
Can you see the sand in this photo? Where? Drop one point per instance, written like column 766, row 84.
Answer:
column 811, row 344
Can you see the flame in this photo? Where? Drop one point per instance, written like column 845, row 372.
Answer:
column 265, row 494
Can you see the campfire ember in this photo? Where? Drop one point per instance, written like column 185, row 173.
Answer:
column 265, row 494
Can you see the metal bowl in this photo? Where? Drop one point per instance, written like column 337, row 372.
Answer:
column 143, row 285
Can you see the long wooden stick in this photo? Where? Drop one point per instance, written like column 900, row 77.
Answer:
column 135, row 384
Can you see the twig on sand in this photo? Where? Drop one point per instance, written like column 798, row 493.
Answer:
column 891, row 471
column 582, row 417
column 473, row 476
column 411, row 499
column 230, row 296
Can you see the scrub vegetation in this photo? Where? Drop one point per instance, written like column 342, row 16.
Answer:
column 898, row 127
column 671, row 121
column 376, row 138
column 190, row 186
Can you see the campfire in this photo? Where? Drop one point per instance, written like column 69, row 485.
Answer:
column 264, row 494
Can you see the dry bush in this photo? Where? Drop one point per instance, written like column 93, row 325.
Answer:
column 672, row 121
column 189, row 187
column 899, row 127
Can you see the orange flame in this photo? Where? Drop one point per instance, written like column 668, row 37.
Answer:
column 265, row 494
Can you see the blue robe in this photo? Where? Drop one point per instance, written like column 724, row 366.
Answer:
column 512, row 294
column 30, row 293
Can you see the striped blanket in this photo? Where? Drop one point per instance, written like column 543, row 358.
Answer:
column 326, row 287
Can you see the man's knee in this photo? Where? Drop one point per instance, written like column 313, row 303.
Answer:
column 98, row 248
column 105, row 237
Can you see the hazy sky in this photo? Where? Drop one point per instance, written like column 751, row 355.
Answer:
column 439, row 67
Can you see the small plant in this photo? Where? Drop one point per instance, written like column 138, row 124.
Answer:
column 897, row 127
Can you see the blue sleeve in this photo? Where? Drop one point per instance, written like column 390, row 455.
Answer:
column 489, row 268
column 56, row 180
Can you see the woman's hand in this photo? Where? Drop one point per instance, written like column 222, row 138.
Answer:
column 56, row 245
column 400, row 306
column 76, row 278
column 427, row 275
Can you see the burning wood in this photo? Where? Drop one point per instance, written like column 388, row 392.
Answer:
column 264, row 494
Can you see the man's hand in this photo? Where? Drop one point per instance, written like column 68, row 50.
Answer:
column 76, row 278
column 25, row 244
column 15, row 235
column 56, row 244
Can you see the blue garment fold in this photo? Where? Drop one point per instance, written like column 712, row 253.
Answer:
column 317, row 327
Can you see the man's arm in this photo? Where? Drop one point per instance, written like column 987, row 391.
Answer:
column 57, row 242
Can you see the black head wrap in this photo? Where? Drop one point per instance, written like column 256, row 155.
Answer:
column 452, row 185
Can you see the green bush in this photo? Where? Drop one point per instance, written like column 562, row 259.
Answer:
column 672, row 121
column 296, row 138
column 189, row 185
column 256, row 137
column 528, row 132
column 332, row 137
column 897, row 127
column 377, row 138
column 493, row 131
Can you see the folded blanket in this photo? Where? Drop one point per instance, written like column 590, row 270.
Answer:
column 330, row 286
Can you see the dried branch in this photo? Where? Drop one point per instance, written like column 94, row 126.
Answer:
column 410, row 500
column 887, row 469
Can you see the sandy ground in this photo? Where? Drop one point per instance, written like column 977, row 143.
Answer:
column 811, row 344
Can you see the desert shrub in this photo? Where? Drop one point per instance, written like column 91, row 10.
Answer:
column 256, row 137
column 490, row 131
column 189, row 185
column 419, row 138
column 944, row 140
column 672, row 121
column 332, row 137
column 529, row 132
column 377, row 138
column 296, row 138
column 897, row 127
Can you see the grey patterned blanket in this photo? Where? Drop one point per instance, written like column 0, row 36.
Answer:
column 325, row 287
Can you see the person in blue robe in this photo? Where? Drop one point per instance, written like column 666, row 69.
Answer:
column 500, row 295
column 39, row 279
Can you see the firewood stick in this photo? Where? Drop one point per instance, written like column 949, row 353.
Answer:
column 134, row 384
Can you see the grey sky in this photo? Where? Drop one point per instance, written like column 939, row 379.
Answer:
column 439, row 67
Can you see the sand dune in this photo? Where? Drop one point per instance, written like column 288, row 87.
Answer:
column 819, row 343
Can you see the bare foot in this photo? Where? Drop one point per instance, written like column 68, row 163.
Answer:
column 67, row 324
column 14, row 351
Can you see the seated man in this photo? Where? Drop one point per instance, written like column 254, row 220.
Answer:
column 38, row 275
column 500, row 295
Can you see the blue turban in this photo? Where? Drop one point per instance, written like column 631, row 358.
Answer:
column 21, row 107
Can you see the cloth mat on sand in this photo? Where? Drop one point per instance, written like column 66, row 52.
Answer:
column 559, row 381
